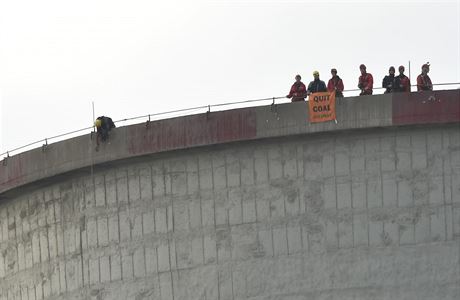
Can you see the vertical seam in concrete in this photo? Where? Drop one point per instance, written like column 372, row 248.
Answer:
column 366, row 193
column 201, row 207
column 227, row 211
column 381, row 175
column 110, row 268
column 39, row 242
column 172, row 279
column 153, row 200
column 397, row 182
column 297, row 160
column 241, row 188
column 240, row 175
column 47, row 226
column 55, row 228
column 412, row 190
column 231, row 281
column 282, row 160
column 218, row 284
column 452, row 193
column 287, row 239
column 63, row 243
column 145, row 260
column 444, row 188
column 157, row 261
column 118, row 224
column 254, row 177
column 47, row 240
column 273, row 242
column 81, row 241
column 128, row 206
column 170, row 236
column 99, row 269
column 428, row 188
column 268, row 165
column 138, row 174
column 301, row 239
column 189, row 202
column 213, row 194
column 382, row 205
column 105, row 191
column 267, row 156
column 337, row 235
column 351, row 199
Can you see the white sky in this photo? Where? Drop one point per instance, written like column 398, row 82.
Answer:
column 138, row 57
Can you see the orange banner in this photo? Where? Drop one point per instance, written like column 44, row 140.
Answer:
column 321, row 107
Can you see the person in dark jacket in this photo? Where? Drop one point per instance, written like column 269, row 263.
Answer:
column 335, row 84
column 298, row 90
column 103, row 125
column 423, row 80
column 402, row 82
column 389, row 81
column 316, row 85
column 365, row 81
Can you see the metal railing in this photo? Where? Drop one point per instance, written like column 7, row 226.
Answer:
column 45, row 141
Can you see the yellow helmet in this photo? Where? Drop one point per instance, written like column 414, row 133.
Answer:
column 98, row 123
column 315, row 73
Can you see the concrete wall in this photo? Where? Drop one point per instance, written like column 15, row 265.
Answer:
column 254, row 123
column 354, row 214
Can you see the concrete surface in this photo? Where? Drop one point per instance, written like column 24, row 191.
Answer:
column 255, row 204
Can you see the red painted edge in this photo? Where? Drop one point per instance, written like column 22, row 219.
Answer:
column 185, row 132
column 426, row 107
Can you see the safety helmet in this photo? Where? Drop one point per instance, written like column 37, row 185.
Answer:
column 300, row 77
column 98, row 123
column 315, row 73
column 333, row 70
column 362, row 66
column 401, row 68
column 427, row 65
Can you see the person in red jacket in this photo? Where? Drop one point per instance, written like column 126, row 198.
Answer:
column 335, row 84
column 423, row 80
column 365, row 82
column 402, row 82
column 298, row 90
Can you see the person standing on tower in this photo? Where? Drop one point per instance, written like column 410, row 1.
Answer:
column 402, row 82
column 335, row 84
column 423, row 80
column 365, row 81
column 389, row 81
column 298, row 90
column 316, row 85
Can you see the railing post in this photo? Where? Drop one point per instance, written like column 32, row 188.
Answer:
column 5, row 160
column 45, row 145
column 147, row 124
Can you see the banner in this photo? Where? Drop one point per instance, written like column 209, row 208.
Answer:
column 321, row 107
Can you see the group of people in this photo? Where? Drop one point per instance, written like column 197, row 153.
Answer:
column 391, row 83
column 299, row 91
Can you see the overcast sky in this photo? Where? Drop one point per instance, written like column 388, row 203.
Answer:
column 139, row 57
